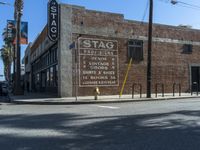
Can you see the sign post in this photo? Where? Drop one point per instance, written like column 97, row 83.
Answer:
column 53, row 20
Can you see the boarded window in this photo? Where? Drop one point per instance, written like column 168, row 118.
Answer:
column 135, row 50
column 187, row 49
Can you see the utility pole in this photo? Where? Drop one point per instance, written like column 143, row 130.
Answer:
column 18, row 13
column 149, row 50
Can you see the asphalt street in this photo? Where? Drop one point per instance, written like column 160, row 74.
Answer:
column 153, row 125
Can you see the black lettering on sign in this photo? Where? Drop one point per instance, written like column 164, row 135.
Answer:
column 53, row 20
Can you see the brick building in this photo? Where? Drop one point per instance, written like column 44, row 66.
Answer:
column 104, row 44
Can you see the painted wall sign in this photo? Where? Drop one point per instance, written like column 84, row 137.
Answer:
column 98, row 62
column 53, row 20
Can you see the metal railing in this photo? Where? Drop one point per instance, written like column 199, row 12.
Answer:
column 156, row 89
column 179, row 88
column 133, row 89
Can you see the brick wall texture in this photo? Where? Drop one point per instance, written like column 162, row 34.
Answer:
column 169, row 64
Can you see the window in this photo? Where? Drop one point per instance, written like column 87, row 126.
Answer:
column 51, row 77
column 37, row 79
column 43, row 61
column 48, row 59
column 43, row 78
column 135, row 50
column 187, row 49
column 55, row 55
column 56, row 75
column 51, row 57
column 47, row 77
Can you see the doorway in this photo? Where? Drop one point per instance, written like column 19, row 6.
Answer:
column 195, row 77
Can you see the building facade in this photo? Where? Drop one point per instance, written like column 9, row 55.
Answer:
column 27, row 75
column 44, row 66
column 95, row 48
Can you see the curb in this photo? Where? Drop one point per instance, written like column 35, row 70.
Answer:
column 19, row 102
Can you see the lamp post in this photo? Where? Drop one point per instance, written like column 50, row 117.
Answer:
column 18, row 13
column 5, row 3
column 149, row 50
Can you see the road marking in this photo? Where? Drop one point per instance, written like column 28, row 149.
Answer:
column 109, row 107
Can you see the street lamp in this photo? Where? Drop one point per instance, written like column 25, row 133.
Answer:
column 5, row 3
column 18, row 13
column 149, row 50
column 174, row 2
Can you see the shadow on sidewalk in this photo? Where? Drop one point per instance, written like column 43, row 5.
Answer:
column 33, row 95
column 166, row 131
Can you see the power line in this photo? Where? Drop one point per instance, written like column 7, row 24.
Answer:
column 187, row 6
column 145, row 11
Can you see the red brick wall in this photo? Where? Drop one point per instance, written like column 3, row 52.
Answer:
column 169, row 65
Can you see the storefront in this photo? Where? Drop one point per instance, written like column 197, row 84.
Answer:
column 44, row 65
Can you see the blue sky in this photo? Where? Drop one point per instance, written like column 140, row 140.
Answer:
column 35, row 13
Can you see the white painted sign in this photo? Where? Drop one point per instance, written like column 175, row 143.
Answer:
column 98, row 62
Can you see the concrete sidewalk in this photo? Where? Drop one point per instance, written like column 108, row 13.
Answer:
column 42, row 99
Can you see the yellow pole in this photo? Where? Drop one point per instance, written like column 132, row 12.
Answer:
column 129, row 66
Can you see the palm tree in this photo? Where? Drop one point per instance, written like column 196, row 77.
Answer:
column 6, row 55
column 8, row 39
